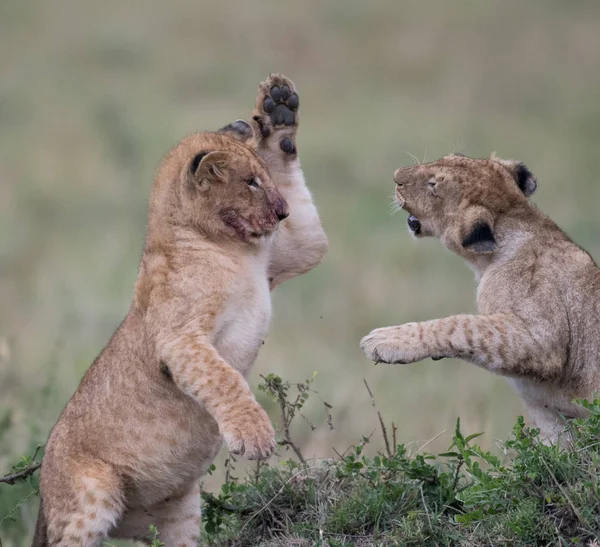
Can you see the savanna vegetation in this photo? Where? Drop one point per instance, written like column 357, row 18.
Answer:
column 524, row 493
column 92, row 95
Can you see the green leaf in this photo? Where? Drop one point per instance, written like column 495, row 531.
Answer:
column 473, row 436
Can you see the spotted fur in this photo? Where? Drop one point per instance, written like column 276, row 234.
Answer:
column 149, row 415
column 538, row 293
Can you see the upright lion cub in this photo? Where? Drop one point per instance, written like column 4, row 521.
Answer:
column 538, row 294
column 149, row 415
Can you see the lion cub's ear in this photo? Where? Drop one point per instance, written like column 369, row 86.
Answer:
column 478, row 236
column 524, row 178
column 207, row 168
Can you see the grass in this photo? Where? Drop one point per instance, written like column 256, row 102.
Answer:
column 529, row 494
column 93, row 94
column 533, row 494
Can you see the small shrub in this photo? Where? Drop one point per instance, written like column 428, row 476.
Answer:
column 533, row 494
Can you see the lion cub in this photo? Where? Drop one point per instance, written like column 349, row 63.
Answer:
column 538, row 294
column 149, row 415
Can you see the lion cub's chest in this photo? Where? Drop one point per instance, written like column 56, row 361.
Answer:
column 244, row 322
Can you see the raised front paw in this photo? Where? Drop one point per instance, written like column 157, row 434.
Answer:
column 239, row 129
column 276, row 110
column 395, row 345
column 249, row 432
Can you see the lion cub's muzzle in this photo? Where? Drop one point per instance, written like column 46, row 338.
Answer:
column 275, row 209
column 278, row 205
column 281, row 209
column 402, row 177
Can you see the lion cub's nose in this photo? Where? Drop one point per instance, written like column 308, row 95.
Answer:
column 280, row 208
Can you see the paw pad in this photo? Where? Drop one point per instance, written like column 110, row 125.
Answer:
column 287, row 145
column 281, row 105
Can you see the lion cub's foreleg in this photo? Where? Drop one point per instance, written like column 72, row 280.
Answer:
column 300, row 242
column 200, row 372
column 501, row 343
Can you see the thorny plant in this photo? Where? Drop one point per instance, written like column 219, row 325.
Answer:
column 290, row 406
column 290, row 399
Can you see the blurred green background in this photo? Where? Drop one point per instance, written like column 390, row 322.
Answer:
column 92, row 94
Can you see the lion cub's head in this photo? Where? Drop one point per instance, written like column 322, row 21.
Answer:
column 460, row 200
column 219, row 186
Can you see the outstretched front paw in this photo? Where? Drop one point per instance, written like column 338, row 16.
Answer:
column 395, row 345
column 276, row 112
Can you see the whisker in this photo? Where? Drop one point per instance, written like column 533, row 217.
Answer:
column 414, row 158
column 459, row 145
column 394, row 208
column 394, row 205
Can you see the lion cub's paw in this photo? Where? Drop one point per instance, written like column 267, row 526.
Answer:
column 250, row 434
column 239, row 129
column 394, row 345
column 276, row 111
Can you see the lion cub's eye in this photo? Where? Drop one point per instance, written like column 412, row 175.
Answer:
column 253, row 183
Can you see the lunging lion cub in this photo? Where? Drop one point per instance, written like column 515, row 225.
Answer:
column 538, row 294
column 149, row 415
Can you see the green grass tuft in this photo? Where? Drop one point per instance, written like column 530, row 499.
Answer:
column 534, row 495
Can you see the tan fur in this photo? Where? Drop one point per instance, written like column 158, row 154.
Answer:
column 538, row 294
column 149, row 415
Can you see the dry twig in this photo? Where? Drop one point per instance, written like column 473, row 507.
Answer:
column 286, row 420
column 382, row 424
column 31, row 468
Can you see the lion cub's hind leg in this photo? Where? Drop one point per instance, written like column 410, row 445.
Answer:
column 85, row 511
column 177, row 519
